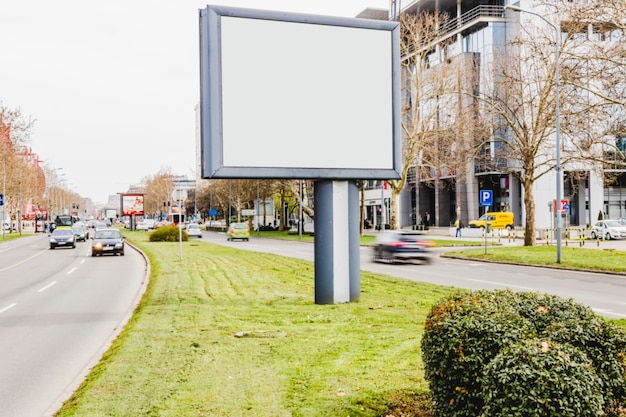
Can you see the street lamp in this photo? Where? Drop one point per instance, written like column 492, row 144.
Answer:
column 559, row 180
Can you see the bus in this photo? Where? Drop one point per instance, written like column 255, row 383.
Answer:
column 63, row 221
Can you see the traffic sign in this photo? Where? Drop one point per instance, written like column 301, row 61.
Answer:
column 486, row 197
column 563, row 206
column 1, row 199
column 179, row 194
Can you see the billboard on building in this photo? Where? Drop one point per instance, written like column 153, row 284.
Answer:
column 287, row 95
column 132, row 204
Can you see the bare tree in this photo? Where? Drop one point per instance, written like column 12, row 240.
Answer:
column 428, row 87
column 157, row 191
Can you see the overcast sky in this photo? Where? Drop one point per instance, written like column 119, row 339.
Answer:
column 113, row 84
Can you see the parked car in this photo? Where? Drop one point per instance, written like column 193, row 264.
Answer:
column 62, row 237
column 238, row 231
column 107, row 241
column 608, row 229
column 142, row 225
column 497, row 219
column 193, row 230
column 400, row 245
column 80, row 232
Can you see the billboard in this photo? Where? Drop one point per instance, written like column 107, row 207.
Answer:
column 132, row 204
column 287, row 95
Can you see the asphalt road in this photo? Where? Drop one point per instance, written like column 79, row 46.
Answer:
column 59, row 311
column 604, row 293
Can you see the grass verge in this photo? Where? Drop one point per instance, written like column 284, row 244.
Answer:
column 231, row 333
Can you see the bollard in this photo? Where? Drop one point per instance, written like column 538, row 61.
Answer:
column 566, row 236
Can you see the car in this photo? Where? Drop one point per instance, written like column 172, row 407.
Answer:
column 107, row 241
column 142, row 225
column 401, row 245
column 608, row 229
column 62, row 237
column 80, row 232
column 497, row 219
column 193, row 229
column 238, row 231
column 100, row 226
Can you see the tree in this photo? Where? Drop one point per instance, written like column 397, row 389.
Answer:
column 157, row 191
column 519, row 102
column 431, row 107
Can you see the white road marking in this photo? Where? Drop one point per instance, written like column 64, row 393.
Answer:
column 502, row 284
column 71, row 270
column 605, row 312
column 47, row 286
column 8, row 307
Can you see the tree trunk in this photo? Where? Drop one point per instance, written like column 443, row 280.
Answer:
column 394, row 224
column 529, row 205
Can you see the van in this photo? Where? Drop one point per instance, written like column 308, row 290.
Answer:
column 498, row 220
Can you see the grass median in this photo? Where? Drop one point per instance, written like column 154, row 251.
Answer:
column 226, row 332
column 587, row 259
column 231, row 333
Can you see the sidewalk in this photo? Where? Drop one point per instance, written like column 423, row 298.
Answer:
column 504, row 240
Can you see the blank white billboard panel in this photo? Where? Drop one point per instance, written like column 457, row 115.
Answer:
column 298, row 96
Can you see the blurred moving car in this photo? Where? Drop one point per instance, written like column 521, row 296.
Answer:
column 107, row 241
column 193, row 229
column 399, row 245
column 238, row 231
column 62, row 237
column 80, row 232
column 608, row 229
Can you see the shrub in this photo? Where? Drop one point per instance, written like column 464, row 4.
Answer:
column 462, row 334
column 541, row 378
column 168, row 234
column 465, row 332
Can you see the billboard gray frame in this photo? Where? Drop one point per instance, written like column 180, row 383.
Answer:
column 382, row 161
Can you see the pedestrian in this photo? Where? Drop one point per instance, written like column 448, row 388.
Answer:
column 458, row 226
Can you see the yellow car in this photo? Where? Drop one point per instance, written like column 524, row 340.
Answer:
column 497, row 219
column 238, row 231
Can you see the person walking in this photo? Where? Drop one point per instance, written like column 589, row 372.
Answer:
column 458, row 226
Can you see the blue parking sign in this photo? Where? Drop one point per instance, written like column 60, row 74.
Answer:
column 486, row 197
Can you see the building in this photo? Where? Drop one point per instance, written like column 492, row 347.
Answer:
column 476, row 37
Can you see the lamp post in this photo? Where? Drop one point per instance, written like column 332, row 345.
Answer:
column 557, row 168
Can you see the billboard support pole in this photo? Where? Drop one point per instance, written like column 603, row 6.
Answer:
column 337, row 254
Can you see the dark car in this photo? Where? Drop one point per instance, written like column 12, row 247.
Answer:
column 107, row 241
column 397, row 245
column 81, row 232
column 62, row 237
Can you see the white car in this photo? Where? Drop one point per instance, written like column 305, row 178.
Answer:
column 141, row 226
column 608, row 229
column 193, row 230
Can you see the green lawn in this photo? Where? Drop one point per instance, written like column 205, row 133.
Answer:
column 232, row 333
column 571, row 257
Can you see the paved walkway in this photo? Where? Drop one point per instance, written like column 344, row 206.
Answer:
column 475, row 235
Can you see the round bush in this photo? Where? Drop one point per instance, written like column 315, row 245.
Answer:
column 540, row 378
column 168, row 234
column 466, row 331
column 463, row 333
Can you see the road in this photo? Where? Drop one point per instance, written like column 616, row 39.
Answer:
column 604, row 293
column 59, row 311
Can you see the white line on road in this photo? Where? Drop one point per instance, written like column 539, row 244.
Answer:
column 71, row 270
column 501, row 284
column 8, row 307
column 604, row 312
column 47, row 286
